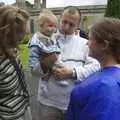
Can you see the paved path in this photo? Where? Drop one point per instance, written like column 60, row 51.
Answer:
column 32, row 83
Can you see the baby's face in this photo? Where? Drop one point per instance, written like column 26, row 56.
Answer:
column 49, row 27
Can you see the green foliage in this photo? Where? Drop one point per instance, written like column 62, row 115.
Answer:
column 24, row 55
column 26, row 38
column 113, row 9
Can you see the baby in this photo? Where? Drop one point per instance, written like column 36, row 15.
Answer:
column 46, row 45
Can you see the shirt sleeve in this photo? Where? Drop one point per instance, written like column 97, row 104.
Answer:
column 34, row 61
column 91, row 65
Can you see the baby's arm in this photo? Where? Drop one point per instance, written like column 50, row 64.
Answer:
column 34, row 61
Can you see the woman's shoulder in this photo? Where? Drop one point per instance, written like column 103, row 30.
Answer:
column 87, row 85
column 5, row 62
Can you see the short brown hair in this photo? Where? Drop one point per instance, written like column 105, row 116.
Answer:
column 73, row 11
column 108, row 29
column 11, row 19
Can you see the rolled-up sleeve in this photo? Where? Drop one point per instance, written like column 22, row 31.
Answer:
column 91, row 65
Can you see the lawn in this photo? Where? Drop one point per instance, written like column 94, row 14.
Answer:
column 24, row 55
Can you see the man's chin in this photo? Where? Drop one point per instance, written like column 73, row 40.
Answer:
column 63, row 32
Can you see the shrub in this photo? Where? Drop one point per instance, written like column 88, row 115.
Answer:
column 26, row 38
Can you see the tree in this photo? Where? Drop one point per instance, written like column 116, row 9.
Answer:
column 113, row 9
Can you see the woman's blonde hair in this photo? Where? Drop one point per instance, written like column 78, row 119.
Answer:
column 44, row 16
column 12, row 21
column 108, row 29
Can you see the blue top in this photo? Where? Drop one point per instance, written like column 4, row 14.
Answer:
column 96, row 98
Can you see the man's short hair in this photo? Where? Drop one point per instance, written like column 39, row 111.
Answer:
column 72, row 10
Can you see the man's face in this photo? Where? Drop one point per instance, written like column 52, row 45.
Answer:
column 69, row 23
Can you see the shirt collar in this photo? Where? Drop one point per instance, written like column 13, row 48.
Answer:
column 65, row 37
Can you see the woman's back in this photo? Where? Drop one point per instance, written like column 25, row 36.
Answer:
column 13, row 96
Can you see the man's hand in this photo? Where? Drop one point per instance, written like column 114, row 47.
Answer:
column 63, row 73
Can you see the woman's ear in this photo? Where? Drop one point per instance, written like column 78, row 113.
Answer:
column 105, row 45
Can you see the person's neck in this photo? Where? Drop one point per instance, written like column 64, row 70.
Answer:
column 45, row 35
column 108, row 61
column 65, row 33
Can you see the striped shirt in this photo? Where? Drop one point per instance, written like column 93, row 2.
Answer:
column 13, row 93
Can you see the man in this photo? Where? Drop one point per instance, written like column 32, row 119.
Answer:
column 54, row 97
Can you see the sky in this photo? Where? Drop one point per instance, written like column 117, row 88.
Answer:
column 62, row 3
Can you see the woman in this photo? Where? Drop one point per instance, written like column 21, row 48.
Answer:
column 14, row 96
column 98, row 97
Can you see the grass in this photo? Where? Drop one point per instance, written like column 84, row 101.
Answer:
column 24, row 55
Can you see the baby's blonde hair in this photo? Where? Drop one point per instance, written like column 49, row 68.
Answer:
column 44, row 16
